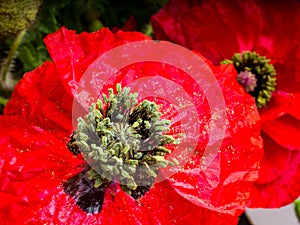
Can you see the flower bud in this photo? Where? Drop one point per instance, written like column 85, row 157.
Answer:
column 17, row 15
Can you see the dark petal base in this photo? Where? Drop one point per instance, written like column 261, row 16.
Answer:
column 140, row 191
column 87, row 197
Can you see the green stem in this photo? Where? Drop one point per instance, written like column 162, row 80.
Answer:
column 148, row 30
column 297, row 208
column 11, row 55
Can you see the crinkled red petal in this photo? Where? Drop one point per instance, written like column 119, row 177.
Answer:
column 278, row 121
column 278, row 18
column 279, row 105
column 41, row 99
column 294, row 109
column 235, row 166
column 33, row 162
column 285, row 130
column 279, row 176
column 162, row 205
column 72, row 53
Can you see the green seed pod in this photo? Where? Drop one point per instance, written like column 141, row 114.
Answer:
column 17, row 15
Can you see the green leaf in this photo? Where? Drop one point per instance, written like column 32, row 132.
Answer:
column 3, row 101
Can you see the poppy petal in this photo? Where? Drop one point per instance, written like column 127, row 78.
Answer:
column 32, row 162
column 72, row 53
column 41, row 99
column 160, row 206
column 279, row 176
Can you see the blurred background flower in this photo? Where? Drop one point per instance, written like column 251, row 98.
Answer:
column 261, row 39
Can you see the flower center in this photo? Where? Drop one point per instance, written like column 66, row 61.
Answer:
column 121, row 141
column 247, row 80
column 256, row 75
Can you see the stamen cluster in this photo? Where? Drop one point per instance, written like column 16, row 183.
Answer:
column 122, row 140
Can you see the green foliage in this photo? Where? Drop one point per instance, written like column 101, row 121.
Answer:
column 81, row 15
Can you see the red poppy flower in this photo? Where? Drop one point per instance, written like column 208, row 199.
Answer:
column 47, row 178
column 243, row 33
